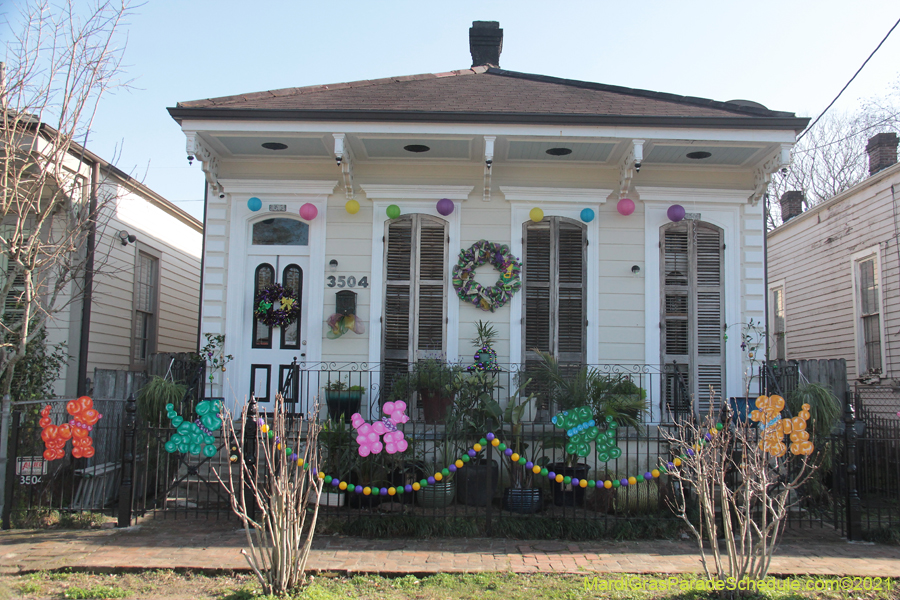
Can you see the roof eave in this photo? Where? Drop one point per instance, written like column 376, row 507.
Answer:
column 256, row 114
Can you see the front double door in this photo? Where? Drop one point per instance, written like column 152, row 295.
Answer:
column 272, row 349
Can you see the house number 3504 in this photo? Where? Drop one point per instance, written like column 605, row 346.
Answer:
column 345, row 281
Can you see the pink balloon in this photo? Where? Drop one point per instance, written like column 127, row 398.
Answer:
column 309, row 211
column 625, row 207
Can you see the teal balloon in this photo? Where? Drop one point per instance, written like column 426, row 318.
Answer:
column 194, row 449
column 176, row 421
column 254, row 204
column 176, row 438
column 210, row 440
column 183, row 447
column 170, row 407
column 171, row 447
column 587, row 215
column 603, row 456
column 209, row 451
column 204, row 407
column 171, row 414
column 615, row 453
column 211, row 422
column 184, row 428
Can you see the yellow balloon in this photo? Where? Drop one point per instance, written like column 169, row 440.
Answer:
column 352, row 207
column 536, row 214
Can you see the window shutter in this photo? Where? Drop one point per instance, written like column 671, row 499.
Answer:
column 692, row 315
column 415, row 304
column 570, row 347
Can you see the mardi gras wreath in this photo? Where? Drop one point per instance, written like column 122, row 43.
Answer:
column 480, row 253
column 277, row 306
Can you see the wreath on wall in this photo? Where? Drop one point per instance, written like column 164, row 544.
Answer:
column 480, row 253
column 277, row 306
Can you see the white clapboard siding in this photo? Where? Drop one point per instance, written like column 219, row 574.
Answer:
column 812, row 255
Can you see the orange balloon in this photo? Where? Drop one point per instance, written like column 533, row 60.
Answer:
column 65, row 432
column 45, row 422
column 799, row 424
column 87, row 452
column 79, row 432
column 787, row 425
column 806, row 448
column 49, row 454
column 49, row 433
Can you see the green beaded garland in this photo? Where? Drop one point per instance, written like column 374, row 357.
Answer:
column 483, row 442
column 567, row 480
column 501, row 447
column 328, row 479
column 522, row 460
column 616, row 483
column 445, row 472
column 719, row 426
column 544, row 471
column 592, row 483
column 466, row 458
column 424, row 483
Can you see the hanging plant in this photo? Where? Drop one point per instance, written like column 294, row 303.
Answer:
column 487, row 298
column 276, row 306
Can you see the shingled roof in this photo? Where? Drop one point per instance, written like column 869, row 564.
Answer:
column 485, row 94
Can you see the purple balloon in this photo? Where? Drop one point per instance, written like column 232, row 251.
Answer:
column 551, row 475
column 472, row 453
column 452, row 468
column 431, row 480
column 489, row 437
column 648, row 475
column 508, row 452
column 445, row 206
column 382, row 492
column 407, row 488
column 335, row 482
column 529, row 465
column 675, row 212
column 574, row 482
column 624, row 481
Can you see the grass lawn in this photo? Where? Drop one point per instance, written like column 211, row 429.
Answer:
column 481, row 586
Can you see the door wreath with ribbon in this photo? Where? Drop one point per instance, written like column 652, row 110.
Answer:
column 277, row 306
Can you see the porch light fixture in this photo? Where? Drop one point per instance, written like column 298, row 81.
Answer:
column 698, row 155
column 333, row 264
column 636, row 269
column 559, row 151
column 127, row 238
column 416, row 148
column 274, row 146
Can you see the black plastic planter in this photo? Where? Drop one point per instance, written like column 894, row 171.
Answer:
column 567, row 495
column 472, row 483
column 342, row 404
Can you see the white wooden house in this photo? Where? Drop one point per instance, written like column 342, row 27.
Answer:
column 833, row 273
column 636, row 289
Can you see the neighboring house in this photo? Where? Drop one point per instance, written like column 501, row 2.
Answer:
column 145, row 294
column 833, row 273
column 634, row 289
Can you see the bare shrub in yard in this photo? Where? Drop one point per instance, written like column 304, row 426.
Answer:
column 727, row 470
column 271, row 492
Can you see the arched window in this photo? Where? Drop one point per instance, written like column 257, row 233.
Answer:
column 692, row 315
column 262, row 333
column 292, row 279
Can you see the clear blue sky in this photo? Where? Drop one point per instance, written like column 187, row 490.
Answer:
column 788, row 55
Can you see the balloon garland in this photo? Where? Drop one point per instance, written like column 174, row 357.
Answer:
column 582, row 429
column 469, row 290
column 79, row 427
column 277, row 306
column 195, row 437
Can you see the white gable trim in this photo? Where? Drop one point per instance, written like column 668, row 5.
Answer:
column 268, row 186
column 552, row 194
column 417, row 192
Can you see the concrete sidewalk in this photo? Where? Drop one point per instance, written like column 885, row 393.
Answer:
column 216, row 546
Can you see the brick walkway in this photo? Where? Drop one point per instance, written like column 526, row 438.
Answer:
column 213, row 547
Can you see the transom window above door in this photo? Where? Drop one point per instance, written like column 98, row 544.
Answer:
column 280, row 231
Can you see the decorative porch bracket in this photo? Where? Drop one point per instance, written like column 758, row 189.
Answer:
column 345, row 162
column 488, row 163
column 630, row 165
column 209, row 162
column 763, row 174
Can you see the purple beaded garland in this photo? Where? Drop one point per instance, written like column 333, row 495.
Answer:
column 529, row 465
column 508, row 452
column 431, row 480
column 575, row 482
column 407, row 488
column 382, row 492
column 671, row 465
column 648, row 475
column 551, row 475
column 690, row 452
column 624, row 481
column 472, row 453
column 452, row 468
column 358, row 489
column 335, row 482
column 489, row 437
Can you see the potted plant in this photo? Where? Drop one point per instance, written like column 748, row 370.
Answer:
column 520, row 497
column 432, row 379
column 339, row 457
column 606, row 395
column 343, row 400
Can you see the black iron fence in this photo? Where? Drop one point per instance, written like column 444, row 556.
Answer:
column 132, row 474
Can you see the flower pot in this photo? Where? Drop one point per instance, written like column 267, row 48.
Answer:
column 435, row 406
column 437, row 495
column 343, row 404
column 567, row 495
column 472, row 482
column 523, row 501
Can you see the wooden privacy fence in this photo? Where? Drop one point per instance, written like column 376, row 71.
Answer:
column 785, row 376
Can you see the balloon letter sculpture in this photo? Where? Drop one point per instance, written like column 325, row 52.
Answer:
column 195, row 438
column 775, row 428
column 370, row 434
column 79, row 427
column 581, row 428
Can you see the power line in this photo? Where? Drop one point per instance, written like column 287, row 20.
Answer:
column 851, row 80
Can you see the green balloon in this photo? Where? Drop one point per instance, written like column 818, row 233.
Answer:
column 171, row 447
column 209, row 440
column 393, row 211
column 209, row 450
column 183, row 447
column 615, row 453
column 185, row 428
column 177, row 421
column 170, row 407
column 194, row 449
column 603, row 456
column 176, row 438
column 204, row 407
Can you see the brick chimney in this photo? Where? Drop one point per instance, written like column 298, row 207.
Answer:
column 882, row 149
column 791, row 205
column 485, row 43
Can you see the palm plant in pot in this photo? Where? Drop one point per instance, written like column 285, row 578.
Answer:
column 606, row 395
column 474, row 413
column 520, row 497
